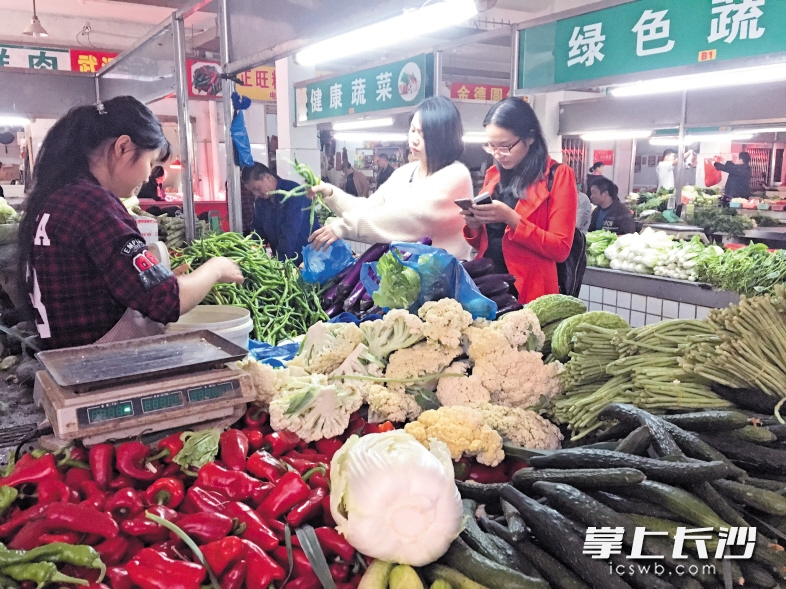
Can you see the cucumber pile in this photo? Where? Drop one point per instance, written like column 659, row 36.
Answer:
column 694, row 470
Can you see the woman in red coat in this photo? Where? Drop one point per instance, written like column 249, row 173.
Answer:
column 527, row 229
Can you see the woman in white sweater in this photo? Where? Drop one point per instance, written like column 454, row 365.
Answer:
column 419, row 198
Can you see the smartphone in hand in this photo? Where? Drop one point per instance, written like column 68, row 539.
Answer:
column 464, row 203
column 482, row 199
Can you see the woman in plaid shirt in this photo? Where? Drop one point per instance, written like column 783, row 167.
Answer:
column 86, row 267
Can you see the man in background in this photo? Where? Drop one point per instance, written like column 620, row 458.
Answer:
column 385, row 169
column 609, row 214
column 356, row 182
column 738, row 184
column 665, row 168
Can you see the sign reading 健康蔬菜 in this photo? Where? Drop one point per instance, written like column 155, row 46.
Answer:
column 648, row 35
column 384, row 87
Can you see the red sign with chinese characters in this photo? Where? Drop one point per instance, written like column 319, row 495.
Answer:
column 87, row 60
column 204, row 81
column 604, row 156
column 479, row 92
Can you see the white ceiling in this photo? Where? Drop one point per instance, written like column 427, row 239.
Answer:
column 98, row 9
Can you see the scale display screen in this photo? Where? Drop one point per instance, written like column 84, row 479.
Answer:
column 209, row 392
column 160, row 402
column 108, row 412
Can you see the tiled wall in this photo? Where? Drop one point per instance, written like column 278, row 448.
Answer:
column 639, row 310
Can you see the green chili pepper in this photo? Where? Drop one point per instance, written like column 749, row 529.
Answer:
column 7, row 496
column 76, row 554
column 41, row 573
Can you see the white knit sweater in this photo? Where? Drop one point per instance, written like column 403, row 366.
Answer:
column 401, row 210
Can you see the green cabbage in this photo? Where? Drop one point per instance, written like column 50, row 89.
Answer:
column 399, row 286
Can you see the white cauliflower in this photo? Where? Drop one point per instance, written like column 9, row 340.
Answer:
column 514, row 378
column 386, row 404
column 461, row 391
column 312, row 407
column 360, row 362
column 419, row 360
column 464, row 431
column 398, row 329
column 262, row 376
column 521, row 329
column 445, row 321
column 522, row 427
column 326, row 346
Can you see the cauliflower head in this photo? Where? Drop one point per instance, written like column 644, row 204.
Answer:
column 360, row 362
column 445, row 320
column 520, row 426
column 387, row 404
column 312, row 407
column 464, row 431
column 419, row 360
column 461, row 391
column 398, row 329
column 326, row 346
column 514, row 378
column 521, row 329
column 263, row 377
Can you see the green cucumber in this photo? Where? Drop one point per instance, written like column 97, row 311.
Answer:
column 774, row 486
column 685, row 505
column 636, row 442
column 482, row 493
column 662, row 441
column 583, row 478
column 478, row 540
column 761, row 499
column 707, row 493
column 520, row 563
column 754, row 435
column 404, row 576
column 516, row 526
column 708, row 421
column 377, row 575
column 558, row 575
column 521, row 453
column 752, row 457
column 697, row 448
column 439, row 572
column 481, row 569
column 626, row 505
column 440, row 584
column 757, row 575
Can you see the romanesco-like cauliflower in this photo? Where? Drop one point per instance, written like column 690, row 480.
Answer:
column 398, row 329
column 326, row 346
column 419, row 360
column 312, row 407
column 461, row 391
column 522, row 427
column 464, row 431
column 521, row 329
column 263, row 377
column 514, row 378
column 445, row 320
column 386, row 404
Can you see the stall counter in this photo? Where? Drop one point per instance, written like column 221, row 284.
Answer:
column 200, row 206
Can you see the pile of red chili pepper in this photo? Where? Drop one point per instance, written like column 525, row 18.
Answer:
column 241, row 510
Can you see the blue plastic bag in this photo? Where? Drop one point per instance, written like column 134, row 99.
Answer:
column 322, row 265
column 274, row 356
column 441, row 276
column 240, row 141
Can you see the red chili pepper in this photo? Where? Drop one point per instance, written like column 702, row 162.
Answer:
column 264, row 465
column 29, row 536
column 74, row 477
column 377, row 428
column 256, row 439
column 355, row 580
column 236, row 485
column 329, row 446
column 356, row 425
column 279, row 443
column 113, row 551
column 255, row 417
column 78, row 518
column 130, row 458
column 309, row 509
column 309, row 455
column 95, row 498
column 147, row 530
column 119, row 578
column 173, row 470
column 125, row 504
column 219, row 555
column 20, row 518
column 134, row 546
column 152, row 570
column 122, row 481
column 59, row 537
column 290, row 490
column 481, row 473
column 205, row 527
column 32, row 471
column 77, row 453
column 199, row 499
column 319, row 479
column 346, row 585
column 327, row 516
column 234, row 577
column 262, row 570
column 334, row 543
column 234, row 449
column 305, row 582
column 54, row 491
column 261, row 493
column 339, row 571
column 172, row 444
column 301, row 465
column 278, row 528
column 101, row 458
column 301, row 565
column 257, row 531
column 165, row 491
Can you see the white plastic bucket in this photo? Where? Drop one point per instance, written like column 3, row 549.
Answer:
column 231, row 323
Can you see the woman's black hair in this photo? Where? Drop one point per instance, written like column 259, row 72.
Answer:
column 603, row 184
column 442, row 132
column 516, row 116
column 596, row 166
column 65, row 154
column 157, row 172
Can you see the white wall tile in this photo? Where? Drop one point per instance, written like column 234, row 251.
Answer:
column 637, row 319
column 609, row 297
column 654, row 306
column 584, row 292
column 624, row 313
column 596, row 306
column 687, row 311
column 596, row 294
column 652, row 319
column 610, row 308
column 671, row 309
column 702, row 312
column 638, row 303
column 586, row 302
column 623, row 300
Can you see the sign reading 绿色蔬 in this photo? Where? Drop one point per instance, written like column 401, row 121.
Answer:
column 394, row 85
column 648, row 35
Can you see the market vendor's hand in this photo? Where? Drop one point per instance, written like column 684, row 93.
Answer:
column 226, row 271
column 322, row 188
column 323, row 238
column 470, row 220
column 496, row 212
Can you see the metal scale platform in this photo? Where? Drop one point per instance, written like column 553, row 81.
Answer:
column 121, row 390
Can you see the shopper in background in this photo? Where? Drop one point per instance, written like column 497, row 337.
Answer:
column 609, row 214
column 665, row 168
column 82, row 259
column 738, row 184
column 355, row 181
column 385, row 169
column 419, row 198
column 583, row 213
column 154, row 187
column 283, row 225
column 530, row 225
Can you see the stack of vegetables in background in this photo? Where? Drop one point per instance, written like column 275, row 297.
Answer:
column 683, row 260
column 597, row 244
column 639, row 252
column 749, row 270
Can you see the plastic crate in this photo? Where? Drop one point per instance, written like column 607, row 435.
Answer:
column 778, row 207
column 763, row 207
column 735, row 205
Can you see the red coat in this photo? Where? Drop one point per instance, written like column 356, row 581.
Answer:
column 543, row 237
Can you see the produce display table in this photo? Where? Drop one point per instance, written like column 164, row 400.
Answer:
column 200, row 206
column 774, row 237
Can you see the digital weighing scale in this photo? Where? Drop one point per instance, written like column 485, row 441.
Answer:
column 123, row 389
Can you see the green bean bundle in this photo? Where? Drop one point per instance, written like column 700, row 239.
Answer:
column 281, row 304
column 311, row 180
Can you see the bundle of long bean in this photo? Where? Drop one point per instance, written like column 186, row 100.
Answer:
column 281, row 304
column 311, row 180
column 593, row 351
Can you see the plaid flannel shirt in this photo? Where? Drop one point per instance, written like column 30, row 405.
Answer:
column 90, row 264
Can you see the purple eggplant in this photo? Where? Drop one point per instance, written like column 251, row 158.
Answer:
column 365, row 305
column 425, row 241
column 354, row 296
column 493, row 289
column 334, row 310
column 509, row 309
column 478, row 267
column 350, row 281
column 504, row 300
column 509, row 278
column 330, row 296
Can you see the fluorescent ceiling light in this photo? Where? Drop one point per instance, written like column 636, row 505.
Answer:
column 411, row 24
column 763, row 130
column 13, row 121
column 475, row 137
column 612, row 135
column 363, row 124
column 360, row 137
column 690, row 139
column 733, row 77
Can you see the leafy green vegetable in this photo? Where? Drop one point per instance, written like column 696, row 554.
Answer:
column 399, row 286
column 721, row 220
column 766, row 221
column 750, row 270
column 199, row 448
column 425, row 398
